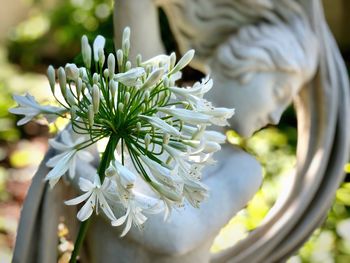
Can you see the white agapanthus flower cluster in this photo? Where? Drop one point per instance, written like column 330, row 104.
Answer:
column 157, row 127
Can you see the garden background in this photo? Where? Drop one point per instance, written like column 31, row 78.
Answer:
column 36, row 33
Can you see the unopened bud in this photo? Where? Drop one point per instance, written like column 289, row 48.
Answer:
column 148, row 69
column 153, row 78
column 127, row 97
column 111, row 65
column 62, row 80
column 99, row 44
column 138, row 126
column 91, row 115
column 52, row 77
column 79, row 86
column 95, row 78
column 138, row 60
column 101, row 57
column 69, row 97
column 72, row 72
column 120, row 106
column 183, row 61
column 172, row 60
column 147, row 140
column 126, row 47
column 86, row 51
column 127, row 65
column 113, row 87
column 95, row 98
column 105, row 73
column 126, row 34
column 120, row 59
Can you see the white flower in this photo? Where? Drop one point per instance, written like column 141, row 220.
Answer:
column 124, row 177
column 189, row 116
column 153, row 78
column 72, row 71
column 131, row 77
column 136, row 204
column 183, row 61
column 155, row 61
column 95, row 194
column 161, row 124
column 86, row 51
column 31, row 109
column 195, row 192
column 66, row 160
column 162, row 174
column 99, row 43
column 198, row 89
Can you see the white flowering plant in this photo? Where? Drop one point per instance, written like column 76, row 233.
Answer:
column 157, row 133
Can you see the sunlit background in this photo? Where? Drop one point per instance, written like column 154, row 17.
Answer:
column 36, row 33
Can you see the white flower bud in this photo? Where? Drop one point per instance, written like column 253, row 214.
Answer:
column 147, row 140
column 127, row 65
column 99, row 43
column 127, row 97
column 101, row 57
column 120, row 58
column 95, row 98
column 105, row 73
column 172, row 60
column 113, row 87
column 148, row 69
column 120, row 106
column 126, row 34
column 153, row 78
column 91, row 115
column 111, row 65
column 79, row 86
column 138, row 60
column 62, row 80
column 126, row 47
column 138, row 126
column 95, row 78
column 52, row 77
column 72, row 71
column 69, row 97
column 183, row 61
column 86, row 51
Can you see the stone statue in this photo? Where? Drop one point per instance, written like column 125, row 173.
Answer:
column 261, row 54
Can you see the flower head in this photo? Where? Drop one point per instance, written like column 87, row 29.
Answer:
column 157, row 131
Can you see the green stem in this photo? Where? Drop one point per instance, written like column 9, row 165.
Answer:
column 106, row 158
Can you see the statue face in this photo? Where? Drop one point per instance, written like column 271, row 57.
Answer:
column 259, row 101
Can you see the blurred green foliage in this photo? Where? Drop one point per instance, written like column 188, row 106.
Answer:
column 56, row 32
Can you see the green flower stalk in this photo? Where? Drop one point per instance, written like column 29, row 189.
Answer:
column 156, row 131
